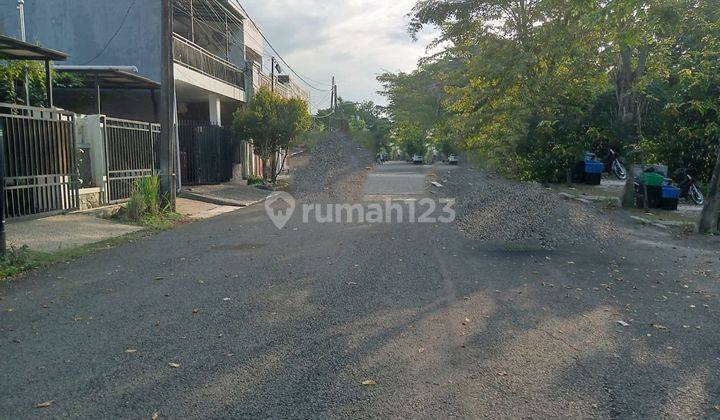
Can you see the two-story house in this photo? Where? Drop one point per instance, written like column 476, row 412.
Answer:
column 218, row 54
column 208, row 45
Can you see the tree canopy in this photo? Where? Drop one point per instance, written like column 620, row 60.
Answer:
column 271, row 122
column 527, row 85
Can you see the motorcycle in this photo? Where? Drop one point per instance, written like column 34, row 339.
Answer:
column 689, row 188
column 613, row 165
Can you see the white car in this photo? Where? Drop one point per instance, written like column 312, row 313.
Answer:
column 453, row 160
column 417, row 159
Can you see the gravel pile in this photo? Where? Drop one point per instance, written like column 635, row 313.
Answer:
column 497, row 210
column 336, row 170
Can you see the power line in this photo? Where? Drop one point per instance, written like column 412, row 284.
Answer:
column 276, row 52
column 112, row 38
column 239, row 41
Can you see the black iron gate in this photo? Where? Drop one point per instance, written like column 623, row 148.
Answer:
column 129, row 155
column 207, row 152
column 39, row 154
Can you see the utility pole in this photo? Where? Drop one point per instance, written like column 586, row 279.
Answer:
column 167, row 109
column 332, row 95
column 272, row 74
column 335, row 105
column 23, row 38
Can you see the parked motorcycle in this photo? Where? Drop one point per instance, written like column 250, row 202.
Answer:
column 689, row 188
column 613, row 165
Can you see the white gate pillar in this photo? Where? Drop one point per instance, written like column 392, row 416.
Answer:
column 215, row 111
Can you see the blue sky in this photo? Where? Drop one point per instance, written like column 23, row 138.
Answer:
column 353, row 39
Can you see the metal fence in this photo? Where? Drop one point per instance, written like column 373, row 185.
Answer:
column 39, row 161
column 207, row 152
column 130, row 154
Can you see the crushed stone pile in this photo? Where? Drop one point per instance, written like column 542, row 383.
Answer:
column 497, row 210
column 336, row 170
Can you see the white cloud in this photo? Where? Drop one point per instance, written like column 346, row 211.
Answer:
column 354, row 40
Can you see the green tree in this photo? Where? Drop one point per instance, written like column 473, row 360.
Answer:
column 271, row 122
column 12, row 75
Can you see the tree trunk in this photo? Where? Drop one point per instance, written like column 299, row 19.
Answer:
column 710, row 217
column 628, row 197
column 267, row 169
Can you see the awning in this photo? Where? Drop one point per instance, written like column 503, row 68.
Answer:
column 12, row 49
column 111, row 78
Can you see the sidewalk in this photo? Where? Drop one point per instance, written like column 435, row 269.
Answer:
column 199, row 210
column 62, row 232
column 50, row 234
column 228, row 194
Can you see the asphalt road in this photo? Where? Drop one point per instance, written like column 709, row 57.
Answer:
column 262, row 322
column 396, row 179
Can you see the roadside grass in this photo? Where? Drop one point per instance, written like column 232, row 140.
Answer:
column 22, row 259
column 658, row 215
column 580, row 190
column 161, row 221
column 608, row 198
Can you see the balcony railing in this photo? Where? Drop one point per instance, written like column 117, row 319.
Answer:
column 196, row 58
column 291, row 90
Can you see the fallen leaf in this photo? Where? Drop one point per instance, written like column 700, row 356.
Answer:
column 174, row 365
column 502, row 373
column 659, row 327
column 131, row 350
column 369, row 382
column 155, row 415
column 46, row 404
column 77, row 318
column 623, row 323
column 421, row 349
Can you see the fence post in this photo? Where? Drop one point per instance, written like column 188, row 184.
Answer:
column 105, row 146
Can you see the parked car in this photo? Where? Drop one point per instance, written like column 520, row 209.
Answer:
column 417, row 159
column 453, row 160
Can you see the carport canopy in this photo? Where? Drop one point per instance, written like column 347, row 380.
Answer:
column 13, row 49
column 108, row 77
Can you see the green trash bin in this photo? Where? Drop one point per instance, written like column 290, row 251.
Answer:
column 653, row 179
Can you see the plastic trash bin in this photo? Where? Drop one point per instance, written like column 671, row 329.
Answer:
column 593, row 172
column 670, row 198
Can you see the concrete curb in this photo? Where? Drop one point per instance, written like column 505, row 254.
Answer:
column 211, row 199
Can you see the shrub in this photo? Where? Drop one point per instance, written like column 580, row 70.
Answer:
column 149, row 188
column 255, row 180
column 16, row 260
column 136, row 207
column 145, row 198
